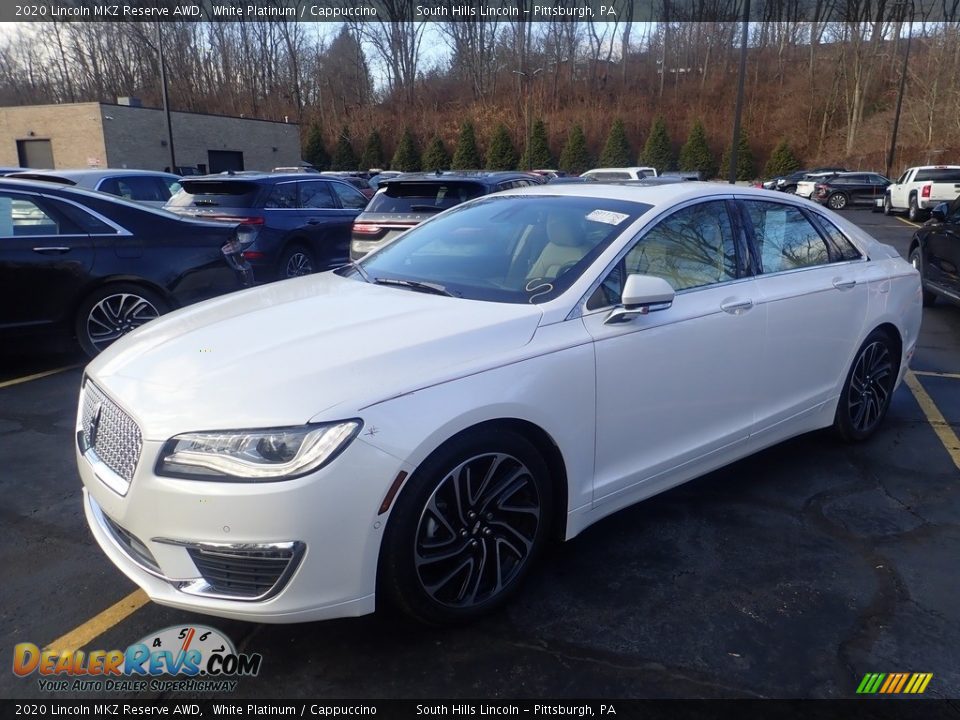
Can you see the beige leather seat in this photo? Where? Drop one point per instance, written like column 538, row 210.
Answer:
column 567, row 244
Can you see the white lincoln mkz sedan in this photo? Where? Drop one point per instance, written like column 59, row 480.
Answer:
column 411, row 430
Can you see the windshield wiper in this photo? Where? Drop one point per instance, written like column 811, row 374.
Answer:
column 360, row 271
column 428, row 287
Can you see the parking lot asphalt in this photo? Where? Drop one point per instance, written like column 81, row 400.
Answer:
column 789, row 574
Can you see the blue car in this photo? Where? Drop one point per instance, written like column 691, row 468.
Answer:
column 302, row 221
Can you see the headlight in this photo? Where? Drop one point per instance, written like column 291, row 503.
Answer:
column 255, row 455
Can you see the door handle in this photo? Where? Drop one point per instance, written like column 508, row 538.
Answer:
column 51, row 250
column 736, row 307
column 843, row 284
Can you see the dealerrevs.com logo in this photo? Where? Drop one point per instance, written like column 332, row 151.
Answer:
column 201, row 657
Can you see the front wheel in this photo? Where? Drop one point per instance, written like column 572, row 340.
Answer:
column 916, row 259
column 866, row 394
column 887, row 205
column 466, row 529
column 112, row 311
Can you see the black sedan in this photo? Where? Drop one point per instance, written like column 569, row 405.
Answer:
column 87, row 264
column 935, row 252
column 850, row 188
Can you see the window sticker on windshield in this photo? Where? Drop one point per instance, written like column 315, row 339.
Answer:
column 607, row 216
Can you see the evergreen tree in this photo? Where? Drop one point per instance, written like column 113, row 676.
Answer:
column 695, row 153
column 373, row 155
column 575, row 158
column 436, row 156
column 315, row 150
column 782, row 161
column 745, row 169
column 617, row 152
column 657, row 152
column 501, row 155
column 466, row 156
column 538, row 155
column 344, row 158
column 407, row 157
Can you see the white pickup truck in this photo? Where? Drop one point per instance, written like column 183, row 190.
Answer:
column 919, row 189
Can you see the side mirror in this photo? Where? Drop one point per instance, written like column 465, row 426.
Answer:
column 642, row 294
column 939, row 212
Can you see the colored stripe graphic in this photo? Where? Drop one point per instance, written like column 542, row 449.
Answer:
column 894, row 683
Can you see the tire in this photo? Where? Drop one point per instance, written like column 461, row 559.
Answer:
column 915, row 214
column 448, row 556
column 296, row 261
column 837, row 201
column 868, row 389
column 887, row 205
column 112, row 311
column 916, row 259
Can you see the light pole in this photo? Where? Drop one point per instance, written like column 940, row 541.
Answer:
column 166, row 99
column 903, row 83
column 739, row 110
column 528, row 77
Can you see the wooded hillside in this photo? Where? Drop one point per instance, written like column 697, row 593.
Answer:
column 827, row 89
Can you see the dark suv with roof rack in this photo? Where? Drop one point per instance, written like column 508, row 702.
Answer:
column 303, row 220
column 408, row 200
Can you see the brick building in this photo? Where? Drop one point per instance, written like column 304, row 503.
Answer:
column 127, row 135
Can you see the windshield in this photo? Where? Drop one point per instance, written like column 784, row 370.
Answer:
column 517, row 248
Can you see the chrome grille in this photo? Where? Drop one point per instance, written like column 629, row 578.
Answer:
column 114, row 436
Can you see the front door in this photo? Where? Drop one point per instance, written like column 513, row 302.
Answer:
column 677, row 385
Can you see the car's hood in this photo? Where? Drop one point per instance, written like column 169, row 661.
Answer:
column 283, row 353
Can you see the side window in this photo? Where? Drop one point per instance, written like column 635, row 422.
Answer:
column 84, row 220
column 20, row 216
column 902, row 179
column 282, row 197
column 839, row 240
column 953, row 213
column 785, row 238
column 350, row 198
column 691, row 248
column 139, row 189
column 316, row 195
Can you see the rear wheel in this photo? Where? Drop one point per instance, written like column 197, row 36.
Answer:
column 916, row 259
column 869, row 387
column 915, row 213
column 466, row 529
column 112, row 311
column 837, row 201
column 296, row 261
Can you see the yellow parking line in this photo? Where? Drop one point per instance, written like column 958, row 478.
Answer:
column 36, row 376
column 99, row 624
column 939, row 424
column 904, row 220
column 931, row 373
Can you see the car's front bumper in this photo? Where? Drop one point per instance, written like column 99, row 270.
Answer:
column 326, row 525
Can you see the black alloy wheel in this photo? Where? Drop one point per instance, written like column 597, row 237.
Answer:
column 113, row 311
column 466, row 529
column 869, row 387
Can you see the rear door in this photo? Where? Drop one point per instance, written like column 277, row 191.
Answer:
column 45, row 260
column 326, row 223
column 815, row 296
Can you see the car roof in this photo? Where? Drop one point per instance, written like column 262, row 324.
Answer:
column 488, row 176
column 95, row 173
column 257, row 176
column 633, row 168
column 652, row 194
